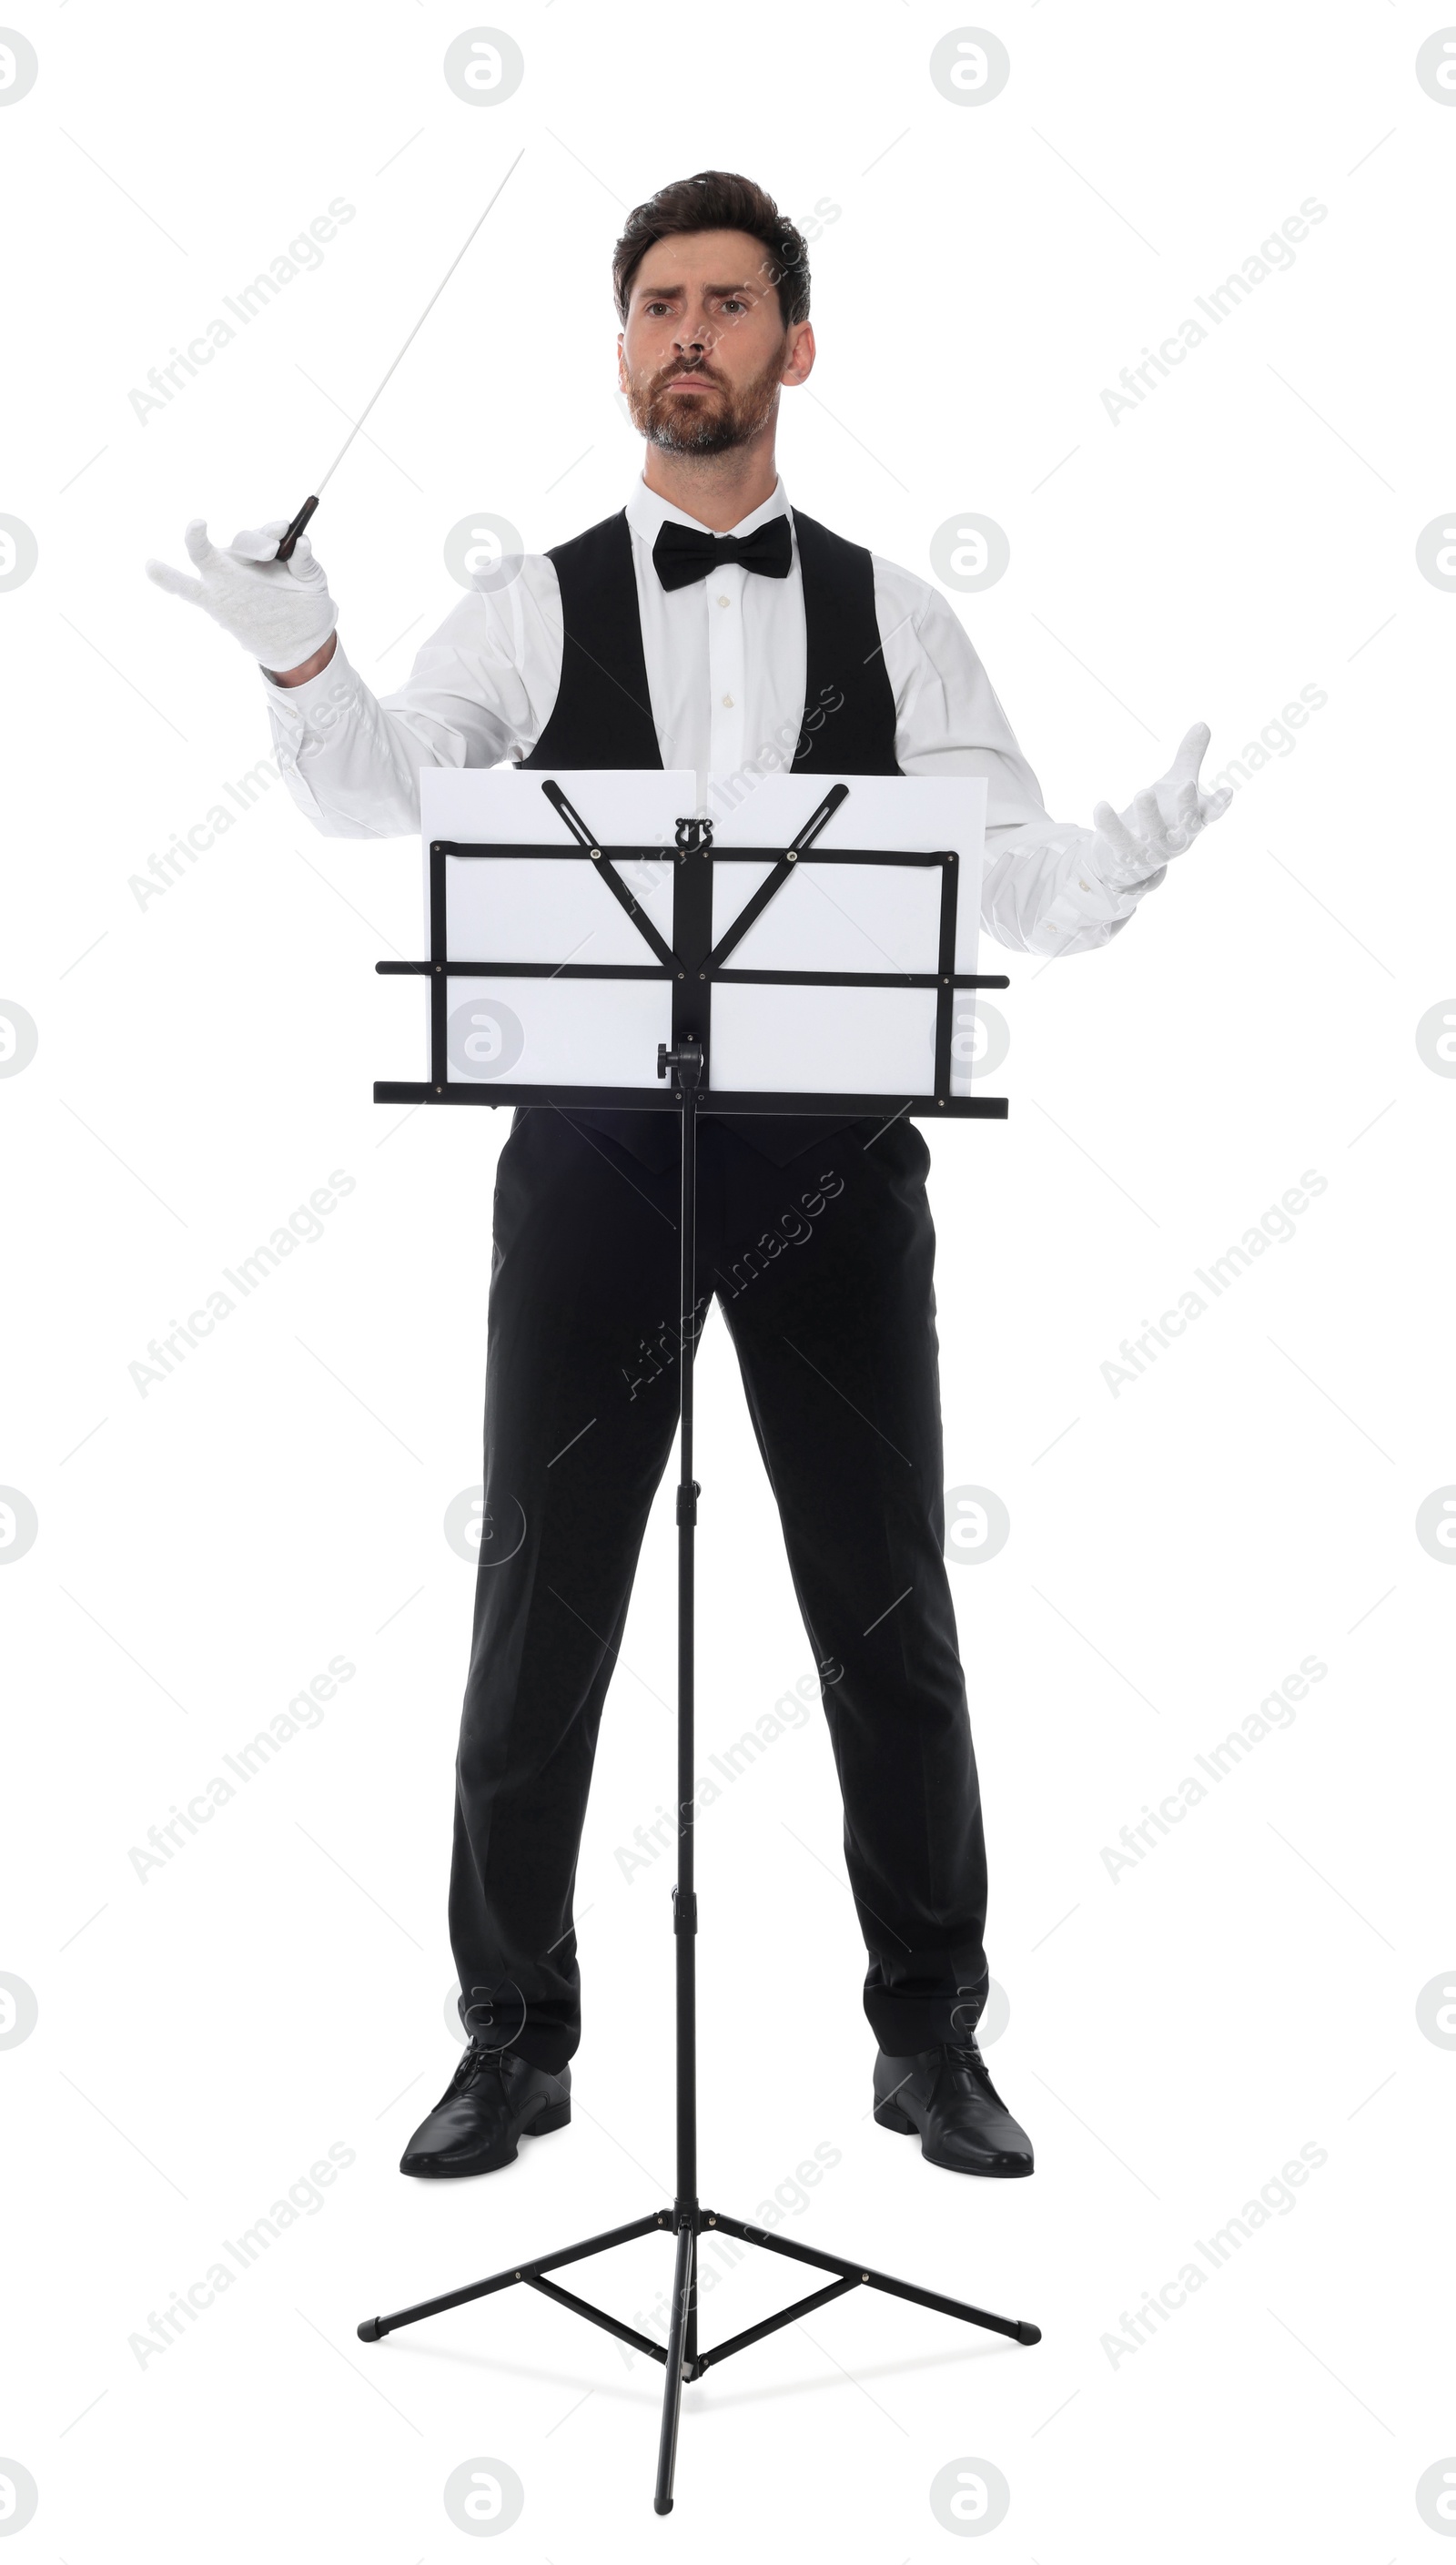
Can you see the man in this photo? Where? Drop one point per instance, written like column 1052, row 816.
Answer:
column 707, row 627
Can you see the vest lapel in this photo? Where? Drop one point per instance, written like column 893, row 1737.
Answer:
column 602, row 715
column 849, row 703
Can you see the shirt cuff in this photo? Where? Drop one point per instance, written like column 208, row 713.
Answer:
column 1045, row 896
column 309, row 716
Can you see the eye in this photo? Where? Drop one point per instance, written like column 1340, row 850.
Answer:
column 735, row 304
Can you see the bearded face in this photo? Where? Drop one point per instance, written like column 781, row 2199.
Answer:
column 709, row 418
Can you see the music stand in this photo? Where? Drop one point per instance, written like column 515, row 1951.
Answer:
column 678, row 976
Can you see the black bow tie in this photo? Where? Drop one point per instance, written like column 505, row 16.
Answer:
column 682, row 554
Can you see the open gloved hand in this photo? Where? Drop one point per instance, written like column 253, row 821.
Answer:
column 281, row 612
column 1131, row 849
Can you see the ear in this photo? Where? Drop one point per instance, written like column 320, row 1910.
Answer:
column 800, row 360
column 621, row 363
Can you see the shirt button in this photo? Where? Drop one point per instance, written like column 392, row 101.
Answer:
column 727, row 703
column 724, row 601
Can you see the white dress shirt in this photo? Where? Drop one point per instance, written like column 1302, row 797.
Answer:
column 726, row 671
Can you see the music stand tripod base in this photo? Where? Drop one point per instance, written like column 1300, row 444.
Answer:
column 686, row 2219
column 682, row 2359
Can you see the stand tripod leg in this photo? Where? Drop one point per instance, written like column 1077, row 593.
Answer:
column 374, row 2328
column 683, row 2295
column 1015, row 2328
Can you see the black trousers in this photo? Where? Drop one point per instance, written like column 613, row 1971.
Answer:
column 823, row 1270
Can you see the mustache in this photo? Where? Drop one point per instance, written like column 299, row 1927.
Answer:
column 698, row 369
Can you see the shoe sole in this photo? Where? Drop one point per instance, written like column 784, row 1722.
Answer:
column 557, row 2115
column 890, row 2115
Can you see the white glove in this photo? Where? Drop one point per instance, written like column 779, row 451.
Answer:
column 1131, row 849
column 279, row 612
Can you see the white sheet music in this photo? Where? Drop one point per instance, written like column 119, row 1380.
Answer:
column 849, row 918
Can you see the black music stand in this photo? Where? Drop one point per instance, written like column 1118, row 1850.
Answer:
column 694, row 964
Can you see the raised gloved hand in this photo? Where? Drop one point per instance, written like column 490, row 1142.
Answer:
column 1131, row 849
column 279, row 612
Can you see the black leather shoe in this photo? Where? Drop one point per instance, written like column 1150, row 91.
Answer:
column 494, row 2098
column 948, row 2096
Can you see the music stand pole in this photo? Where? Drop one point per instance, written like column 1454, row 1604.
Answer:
column 685, row 1062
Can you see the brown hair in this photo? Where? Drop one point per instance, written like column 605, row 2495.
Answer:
column 716, row 201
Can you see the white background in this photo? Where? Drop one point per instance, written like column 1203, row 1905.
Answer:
column 204, row 1063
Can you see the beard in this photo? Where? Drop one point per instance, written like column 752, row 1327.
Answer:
column 698, row 424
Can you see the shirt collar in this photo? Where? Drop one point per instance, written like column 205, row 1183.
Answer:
column 646, row 513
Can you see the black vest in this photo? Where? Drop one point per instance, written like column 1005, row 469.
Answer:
column 602, row 716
